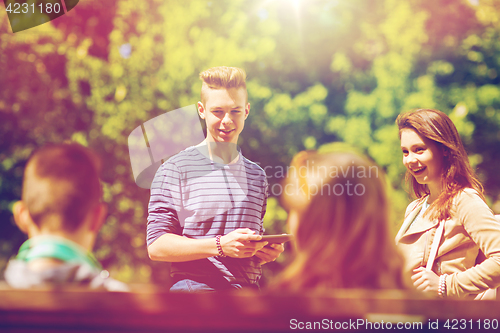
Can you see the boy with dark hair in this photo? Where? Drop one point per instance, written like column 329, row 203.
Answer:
column 61, row 213
column 208, row 201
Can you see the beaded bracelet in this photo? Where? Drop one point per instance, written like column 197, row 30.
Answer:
column 219, row 247
column 442, row 285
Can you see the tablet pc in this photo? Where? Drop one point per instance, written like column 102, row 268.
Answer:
column 274, row 239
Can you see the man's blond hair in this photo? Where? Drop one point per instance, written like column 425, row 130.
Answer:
column 222, row 77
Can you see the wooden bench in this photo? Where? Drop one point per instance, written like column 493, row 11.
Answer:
column 149, row 310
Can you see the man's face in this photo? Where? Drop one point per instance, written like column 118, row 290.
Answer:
column 224, row 112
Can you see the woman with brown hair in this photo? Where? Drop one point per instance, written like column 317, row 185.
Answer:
column 449, row 226
column 338, row 213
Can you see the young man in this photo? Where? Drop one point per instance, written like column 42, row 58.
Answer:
column 61, row 213
column 208, row 201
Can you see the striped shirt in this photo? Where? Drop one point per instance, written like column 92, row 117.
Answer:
column 195, row 197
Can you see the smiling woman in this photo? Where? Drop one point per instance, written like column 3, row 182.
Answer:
column 449, row 228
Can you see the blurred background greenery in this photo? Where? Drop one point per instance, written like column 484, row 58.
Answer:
column 319, row 72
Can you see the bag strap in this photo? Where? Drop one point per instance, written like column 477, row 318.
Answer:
column 435, row 246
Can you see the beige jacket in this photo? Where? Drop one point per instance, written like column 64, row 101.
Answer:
column 472, row 227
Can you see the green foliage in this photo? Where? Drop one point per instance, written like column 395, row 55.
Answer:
column 333, row 71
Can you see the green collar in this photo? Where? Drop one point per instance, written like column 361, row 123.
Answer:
column 57, row 248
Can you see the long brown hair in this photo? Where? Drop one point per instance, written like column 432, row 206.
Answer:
column 457, row 173
column 343, row 238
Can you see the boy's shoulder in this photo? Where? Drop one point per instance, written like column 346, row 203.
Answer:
column 188, row 153
column 184, row 157
column 19, row 276
column 254, row 168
